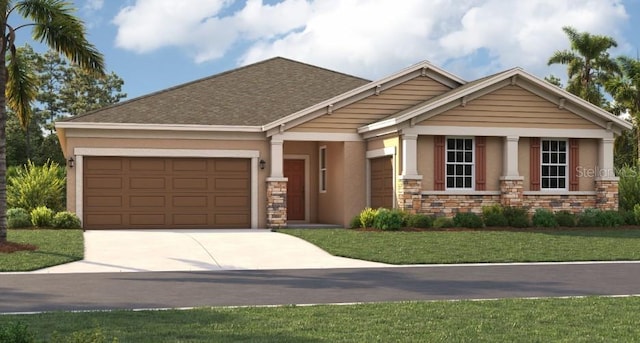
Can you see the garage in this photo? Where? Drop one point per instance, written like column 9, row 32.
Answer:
column 381, row 182
column 166, row 192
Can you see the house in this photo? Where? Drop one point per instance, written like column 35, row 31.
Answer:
column 281, row 142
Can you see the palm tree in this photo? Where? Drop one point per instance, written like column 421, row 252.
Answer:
column 589, row 65
column 53, row 23
column 625, row 90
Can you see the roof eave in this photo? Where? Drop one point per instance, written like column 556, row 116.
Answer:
column 156, row 127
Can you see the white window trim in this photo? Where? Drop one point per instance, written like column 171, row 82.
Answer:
column 79, row 153
column 566, row 164
column 473, row 163
column 322, row 186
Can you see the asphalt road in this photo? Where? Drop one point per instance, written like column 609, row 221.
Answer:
column 99, row 291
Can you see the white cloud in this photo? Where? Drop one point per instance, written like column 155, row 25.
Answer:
column 370, row 38
column 93, row 5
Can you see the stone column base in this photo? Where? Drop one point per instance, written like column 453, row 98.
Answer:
column 511, row 191
column 409, row 193
column 607, row 194
column 276, row 203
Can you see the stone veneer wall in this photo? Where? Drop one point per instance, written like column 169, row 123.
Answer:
column 511, row 191
column 409, row 195
column 449, row 205
column 607, row 194
column 276, row 204
column 574, row 203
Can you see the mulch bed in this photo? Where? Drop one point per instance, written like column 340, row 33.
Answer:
column 500, row 228
column 10, row 247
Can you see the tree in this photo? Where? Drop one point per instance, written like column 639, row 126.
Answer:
column 81, row 92
column 589, row 65
column 54, row 24
column 625, row 90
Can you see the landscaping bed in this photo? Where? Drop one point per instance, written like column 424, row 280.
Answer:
column 41, row 248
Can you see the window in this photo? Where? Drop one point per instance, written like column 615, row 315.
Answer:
column 459, row 163
column 323, row 169
column 554, row 164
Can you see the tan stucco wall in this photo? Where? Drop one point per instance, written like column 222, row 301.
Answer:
column 588, row 160
column 425, row 162
column 493, row 162
column 345, row 195
column 388, row 141
column 523, row 161
column 309, row 149
column 84, row 142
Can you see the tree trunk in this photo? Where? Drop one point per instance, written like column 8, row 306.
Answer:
column 3, row 149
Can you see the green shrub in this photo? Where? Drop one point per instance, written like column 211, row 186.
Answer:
column 34, row 186
column 544, row 218
column 419, row 220
column 16, row 333
column 629, row 217
column 587, row 218
column 467, row 219
column 443, row 222
column 42, row 216
column 17, row 218
column 388, row 220
column 494, row 216
column 367, row 216
column 636, row 213
column 355, row 222
column 629, row 187
column 609, row 219
column 66, row 220
column 516, row 216
column 566, row 219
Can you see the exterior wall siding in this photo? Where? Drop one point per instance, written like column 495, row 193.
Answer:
column 375, row 107
column 511, row 106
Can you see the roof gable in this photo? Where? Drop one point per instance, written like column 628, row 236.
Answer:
column 248, row 96
column 466, row 93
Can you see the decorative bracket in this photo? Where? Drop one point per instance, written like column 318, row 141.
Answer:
column 561, row 103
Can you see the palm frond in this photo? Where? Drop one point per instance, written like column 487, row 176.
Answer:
column 55, row 25
column 21, row 88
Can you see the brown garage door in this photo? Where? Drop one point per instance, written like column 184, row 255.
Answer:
column 141, row 192
column 381, row 182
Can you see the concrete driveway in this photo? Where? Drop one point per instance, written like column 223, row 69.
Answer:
column 199, row 250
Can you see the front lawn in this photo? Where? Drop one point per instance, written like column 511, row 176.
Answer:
column 476, row 246
column 54, row 247
column 512, row 320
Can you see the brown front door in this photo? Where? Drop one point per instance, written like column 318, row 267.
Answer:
column 294, row 171
column 382, row 182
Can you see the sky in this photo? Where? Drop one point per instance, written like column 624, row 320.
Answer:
column 156, row 44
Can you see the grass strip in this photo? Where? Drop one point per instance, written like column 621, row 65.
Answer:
column 476, row 246
column 54, row 247
column 513, row 320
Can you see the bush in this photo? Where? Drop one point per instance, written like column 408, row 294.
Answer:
column 629, row 187
column 34, row 186
column 495, row 219
column 419, row 220
column 544, row 218
column 493, row 209
column 367, row 216
column 566, row 219
column 443, row 222
column 355, row 222
column 66, row 220
column 16, row 333
column 609, row 219
column 516, row 216
column 41, row 216
column 636, row 213
column 388, row 220
column 467, row 219
column 17, row 218
column 588, row 218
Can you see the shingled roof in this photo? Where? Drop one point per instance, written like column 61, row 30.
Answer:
column 253, row 95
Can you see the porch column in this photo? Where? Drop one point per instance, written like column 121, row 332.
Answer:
column 276, row 187
column 409, row 184
column 606, row 182
column 511, row 183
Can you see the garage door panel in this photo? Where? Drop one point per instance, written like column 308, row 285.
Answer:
column 140, row 192
column 190, row 183
column 381, row 183
column 147, row 201
column 147, row 183
column 104, row 201
column 190, row 201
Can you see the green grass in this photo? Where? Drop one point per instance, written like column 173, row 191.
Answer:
column 54, row 247
column 475, row 246
column 513, row 320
